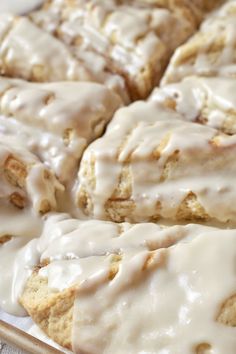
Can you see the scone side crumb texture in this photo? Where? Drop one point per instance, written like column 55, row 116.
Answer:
column 51, row 311
column 46, row 306
column 51, row 61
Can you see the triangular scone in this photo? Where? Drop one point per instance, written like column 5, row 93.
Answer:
column 151, row 164
column 210, row 52
column 64, row 238
column 25, row 181
column 56, row 121
column 208, row 101
column 140, row 300
column 132, row 38
column 30, row 53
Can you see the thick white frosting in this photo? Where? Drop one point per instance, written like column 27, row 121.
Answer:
column 210, row 52
column 211, row 101
column 170, row 309
column 171, row 305
column 126, row 37
column 58, row 121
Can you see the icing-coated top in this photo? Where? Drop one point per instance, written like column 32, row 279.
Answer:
column 169, row 306
column 210, row 52
column 109, row 316
column 55, row 121
column 30, row 53
column 210, row 101
column 131, row 38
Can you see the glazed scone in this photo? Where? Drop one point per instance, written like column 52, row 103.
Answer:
column 208, row 101
column 151, row 164
column 64, row 238
column 30, row 53
column 25, row 181
column 210, row 52
column 118, row 303
column 56, row 121
column 129, row 38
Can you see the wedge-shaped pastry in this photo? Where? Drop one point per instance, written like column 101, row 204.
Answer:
column 210, row 52
column 150, row 164
column 25, row 181
column 56, row 121
column 28, row 52
column 67, row 238
column 209, row 101
column 131, row 38
column 124, row 303
column 63, row 238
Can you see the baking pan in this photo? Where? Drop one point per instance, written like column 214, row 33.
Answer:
column 24, row 341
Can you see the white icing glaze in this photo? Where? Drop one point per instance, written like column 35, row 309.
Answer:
column 206, row 169
column 19, row 7
column 65, row 238
column 31, row 53
column 65, row 241
column 171, row 308
column 133, row 38
column 211, row 101
column 211, row 52
column 58, row 121
column 18, row 256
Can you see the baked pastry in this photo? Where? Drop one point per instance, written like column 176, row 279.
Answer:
column 210, row 52
column 100, row 31
column 144, row 168
column 28, row 52
column 56, row 121
column 25, row 181
column 109, row 286
column 61, row 237
column 102, row 304
column 209, row 101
